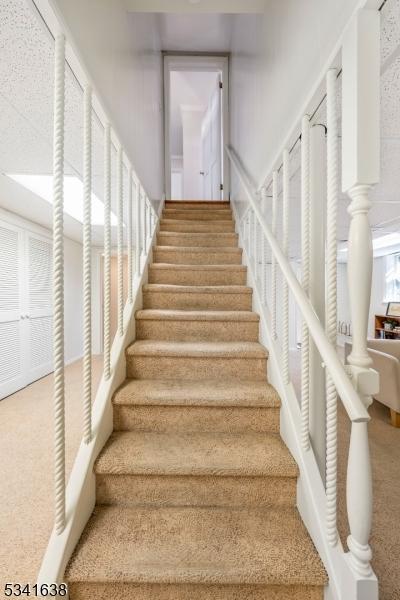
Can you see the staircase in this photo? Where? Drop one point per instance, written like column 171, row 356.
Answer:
column 195, row 489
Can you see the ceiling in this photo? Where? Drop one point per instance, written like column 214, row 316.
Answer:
column 196, row 32
column 187, row 88
column 196, row 6
column 26, row 118
column 26, row 103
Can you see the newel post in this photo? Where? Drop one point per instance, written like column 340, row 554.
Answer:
column 360, row 171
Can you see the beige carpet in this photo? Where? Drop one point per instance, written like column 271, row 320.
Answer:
column 26, row 467
column 385, row 454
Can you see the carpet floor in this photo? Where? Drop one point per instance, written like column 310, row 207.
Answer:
column 26, row 482
column 26, row 469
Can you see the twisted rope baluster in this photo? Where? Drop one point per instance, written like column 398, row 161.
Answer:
column 120, row 257
column 264, row 251
column 107, row 252
column 137, row 228
column 305, row 279
column 273, row 262
column 87, row 265
column 285, row 235
column 58, row 283
column 130, row 238
column 331, row 303
column 144, row 218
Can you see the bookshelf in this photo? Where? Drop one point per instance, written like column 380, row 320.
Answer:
column 387, row 334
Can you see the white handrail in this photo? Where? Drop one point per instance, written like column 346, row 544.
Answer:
column 350, row 399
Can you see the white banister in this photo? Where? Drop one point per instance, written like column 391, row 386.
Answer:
column 317, row 412
column 255, row 247
column 360, row 170
column 143, row 206
column 350, row 398
column 285, row 247
column 87, row 264
column 138, row 232
column 149, row 228
column 305, row 280
column 264, row 198
column 107, row 254
column 273, row 262
column 58, row 282
column 120, row 243
column 332, row 159
column 130, row 237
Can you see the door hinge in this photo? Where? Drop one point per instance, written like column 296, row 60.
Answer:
column 221, row 186
column 220, row 85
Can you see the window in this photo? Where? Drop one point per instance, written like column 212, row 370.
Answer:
column 392, row 278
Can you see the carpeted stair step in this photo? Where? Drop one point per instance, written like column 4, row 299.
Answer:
column 198, row 275
column 197, row 255
column 187, row 297
column 189, row 214
column 191, row 226
column 200, row 325
column 148, row 359
column 213, row 553
column 203, row 405
column 176, row 238
column 197, row 204
column 195, row 469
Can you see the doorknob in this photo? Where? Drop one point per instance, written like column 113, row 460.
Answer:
column 22, row 317
column 201, row 172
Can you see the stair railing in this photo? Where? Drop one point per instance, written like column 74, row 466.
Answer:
column 351, row 575
column 74, row 503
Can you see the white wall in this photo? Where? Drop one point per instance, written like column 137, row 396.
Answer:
column 73, row 290
column 275, row 59
column 378, row 307
column 121, row 52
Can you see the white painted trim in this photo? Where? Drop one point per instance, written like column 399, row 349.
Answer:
column 197, row 62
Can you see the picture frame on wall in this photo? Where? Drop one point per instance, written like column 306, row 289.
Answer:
column 393, row 309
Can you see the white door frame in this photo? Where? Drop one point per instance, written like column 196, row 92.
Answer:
column 198, row 62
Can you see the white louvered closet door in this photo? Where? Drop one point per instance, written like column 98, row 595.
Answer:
column 39, row 307
column 12, row 330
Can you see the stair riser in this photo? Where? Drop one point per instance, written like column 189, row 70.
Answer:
column 197, row 215
column 197, row 258
column 197, row 226
column 182, row 204
column 188, row 277
column 156, row 490
column 187, row 368
column 164, row 419
column 132, row 591
column 197, row 240
column 197, row 301
column 187, row 331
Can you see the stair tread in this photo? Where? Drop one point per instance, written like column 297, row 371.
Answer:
column 200, row 249
column 169, row 219
column 196, row 454
column 197, row 393
column 197, row 289
column 196, row 545
column 196, row 315
column 180, row 267
column 197, row 349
